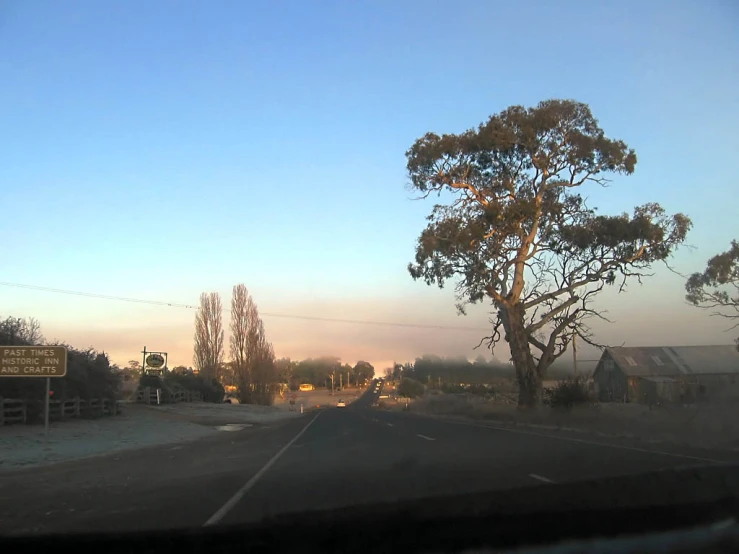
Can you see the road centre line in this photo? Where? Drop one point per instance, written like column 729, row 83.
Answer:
column 540, row 478
column 425, row 437
column 391, row 425
column 223, row 510
column 584, row 441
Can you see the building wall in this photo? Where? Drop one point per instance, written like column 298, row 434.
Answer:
column 611, row 384
column 615, row 386
column 713, row 388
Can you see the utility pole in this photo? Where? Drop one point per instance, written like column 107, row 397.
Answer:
column 341, row 380
column 332, row 383
column 574, row 354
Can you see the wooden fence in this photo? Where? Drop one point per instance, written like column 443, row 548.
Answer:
column 151, row 395
column 12, row 411
column 16, row 411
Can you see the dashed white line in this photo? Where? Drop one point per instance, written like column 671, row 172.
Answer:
column 584, row 441
column 390, row 425
column 540, row 478
column 221, row 513
column 425, row 437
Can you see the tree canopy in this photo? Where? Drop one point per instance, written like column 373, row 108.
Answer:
column 208, row 347
column 717, row 288
column 318, row 371
column 516, row 232
column 364, row 371
column 430, row 369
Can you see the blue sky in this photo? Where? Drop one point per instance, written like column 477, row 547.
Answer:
column 157, row 149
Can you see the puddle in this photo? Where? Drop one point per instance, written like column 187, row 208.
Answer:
column 233, row 426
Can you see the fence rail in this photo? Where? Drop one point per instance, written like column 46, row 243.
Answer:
column 151, row 395
column 13, row 410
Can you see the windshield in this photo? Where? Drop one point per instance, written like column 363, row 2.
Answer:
column 474, row 228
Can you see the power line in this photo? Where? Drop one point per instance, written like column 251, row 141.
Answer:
column 266, row 314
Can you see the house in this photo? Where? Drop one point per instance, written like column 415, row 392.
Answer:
column 664, row 374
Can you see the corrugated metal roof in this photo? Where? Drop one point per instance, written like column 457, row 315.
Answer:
column 667, row 361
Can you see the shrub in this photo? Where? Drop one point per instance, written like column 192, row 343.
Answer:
column 172, row 382
column 153, row 381
column 447, row 405
column 211, row 391
column 263, row 395
column 479, row 390
column 89, row 372
column 410, row 388
column 568, row 393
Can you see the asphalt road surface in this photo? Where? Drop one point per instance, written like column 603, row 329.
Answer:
column 333, row 458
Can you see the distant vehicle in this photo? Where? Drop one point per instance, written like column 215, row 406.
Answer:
column 341, row 404
column 305, row 387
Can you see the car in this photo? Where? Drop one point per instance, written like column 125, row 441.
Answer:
column 341, row 404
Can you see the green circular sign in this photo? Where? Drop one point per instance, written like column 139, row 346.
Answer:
column 155, row 360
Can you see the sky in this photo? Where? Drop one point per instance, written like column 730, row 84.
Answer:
column 157, row 150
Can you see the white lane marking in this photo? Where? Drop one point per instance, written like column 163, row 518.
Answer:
column 584, row 441
column 540, row 478
column 390, row 425
column 425, row 437
column 223, row 510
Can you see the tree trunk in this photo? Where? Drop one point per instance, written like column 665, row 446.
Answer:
column 529, row 380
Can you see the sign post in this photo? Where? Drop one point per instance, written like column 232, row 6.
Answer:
column 46, row 408
column 35, row 361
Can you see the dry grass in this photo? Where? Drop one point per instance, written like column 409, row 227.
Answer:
column 707, row 426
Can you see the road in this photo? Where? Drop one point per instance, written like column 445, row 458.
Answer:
column 332, row 458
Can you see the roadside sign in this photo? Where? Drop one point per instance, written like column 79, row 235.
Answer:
column 33, row 361
column 155, row 361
